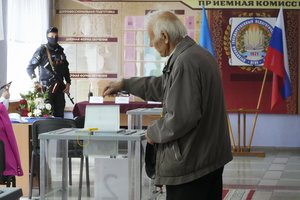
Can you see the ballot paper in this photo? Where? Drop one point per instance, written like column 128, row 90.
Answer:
column 102, row 117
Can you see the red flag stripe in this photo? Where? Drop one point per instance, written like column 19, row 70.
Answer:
column 275, row 62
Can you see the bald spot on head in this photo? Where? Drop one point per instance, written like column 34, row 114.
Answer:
column 167, row 15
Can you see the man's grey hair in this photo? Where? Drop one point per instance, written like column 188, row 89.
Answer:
column 167, row 21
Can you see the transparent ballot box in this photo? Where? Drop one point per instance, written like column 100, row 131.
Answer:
column 135, row 117
column 115, row 165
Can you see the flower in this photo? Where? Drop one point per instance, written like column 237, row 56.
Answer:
column 33, row 103
column 23, row 108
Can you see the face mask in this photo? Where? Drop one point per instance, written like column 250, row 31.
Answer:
column 52, row 41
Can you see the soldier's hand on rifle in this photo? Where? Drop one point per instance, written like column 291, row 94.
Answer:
column 67, row 88
column 38, row 86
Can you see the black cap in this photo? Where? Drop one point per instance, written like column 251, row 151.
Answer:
column 52, row 29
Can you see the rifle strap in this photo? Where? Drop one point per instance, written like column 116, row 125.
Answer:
column 53, row 71
column 49, row 58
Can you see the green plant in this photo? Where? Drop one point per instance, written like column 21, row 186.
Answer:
column 37, row 105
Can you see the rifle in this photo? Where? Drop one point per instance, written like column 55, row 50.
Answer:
column 57, row 79
column 56, row 85
column 71, row 98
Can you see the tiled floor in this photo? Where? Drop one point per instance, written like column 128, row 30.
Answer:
column 274, row 177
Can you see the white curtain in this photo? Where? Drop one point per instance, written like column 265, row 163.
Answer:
column 1, row 22
column 28, row 21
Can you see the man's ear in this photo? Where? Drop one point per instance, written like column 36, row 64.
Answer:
column 165, row 37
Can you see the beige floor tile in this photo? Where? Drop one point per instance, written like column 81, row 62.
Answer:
column 280, row 160
column 272, row 175
column 277, row 167
column 268, row 182
column 262, row 195
column 285, row 195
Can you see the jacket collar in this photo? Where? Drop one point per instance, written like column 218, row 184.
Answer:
column 185, row 43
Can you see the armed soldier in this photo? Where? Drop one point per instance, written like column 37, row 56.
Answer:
column 54, row 75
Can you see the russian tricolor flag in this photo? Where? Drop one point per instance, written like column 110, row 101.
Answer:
column 277, row 61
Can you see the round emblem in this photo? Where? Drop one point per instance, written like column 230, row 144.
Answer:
column 250, row 39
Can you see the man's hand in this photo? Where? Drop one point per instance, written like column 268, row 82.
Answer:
column 148, row 139
column 38, row 86
column 113, row 88
column 67, row 88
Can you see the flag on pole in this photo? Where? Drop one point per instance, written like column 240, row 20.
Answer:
column 277, row 61
column 205, row 38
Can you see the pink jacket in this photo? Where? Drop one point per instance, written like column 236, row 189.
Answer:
column 13, row 163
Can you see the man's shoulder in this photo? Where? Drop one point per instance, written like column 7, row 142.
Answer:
column 39, row 51
column 41, row 48
column 45, row 46
column 60, row 48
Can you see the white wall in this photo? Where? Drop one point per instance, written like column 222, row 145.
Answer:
column 271, row 130
column 3, row 46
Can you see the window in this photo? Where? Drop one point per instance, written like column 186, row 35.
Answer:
column 139, row 58
column 27, row 25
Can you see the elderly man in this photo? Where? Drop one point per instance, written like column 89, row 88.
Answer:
column 191, row 137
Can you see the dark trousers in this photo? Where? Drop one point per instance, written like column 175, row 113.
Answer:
column 58, row 102
column 208, row 187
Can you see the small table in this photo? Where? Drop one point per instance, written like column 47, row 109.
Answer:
column 135, row 116
column 10, row 193
column 135, row 121
column 134, row 141
column 79, row 108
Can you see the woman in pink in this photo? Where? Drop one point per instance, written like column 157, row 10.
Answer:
column 7, row 136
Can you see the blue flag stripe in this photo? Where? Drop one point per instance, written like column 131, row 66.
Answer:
column 276, row 43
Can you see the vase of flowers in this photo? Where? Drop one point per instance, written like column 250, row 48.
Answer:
column 34, row 103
